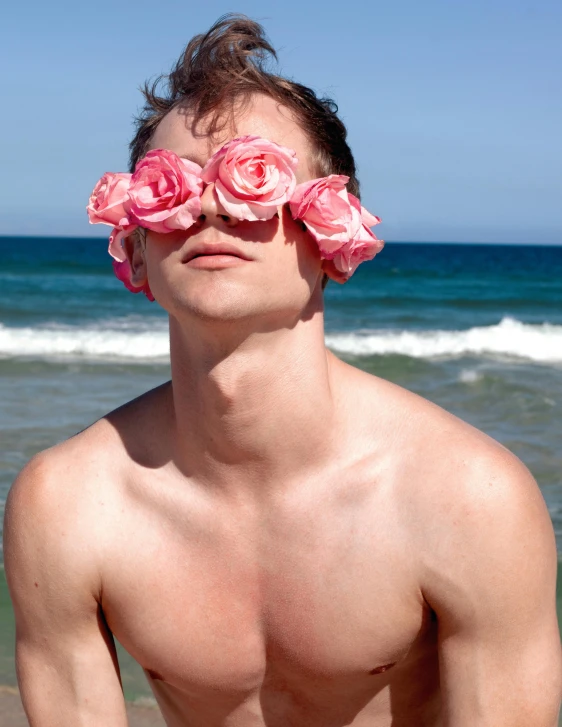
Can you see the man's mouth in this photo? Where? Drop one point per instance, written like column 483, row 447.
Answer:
column 215, row 250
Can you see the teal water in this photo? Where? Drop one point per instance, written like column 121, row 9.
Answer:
column 476, row 329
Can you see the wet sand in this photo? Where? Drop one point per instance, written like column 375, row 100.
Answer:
column 12, row 714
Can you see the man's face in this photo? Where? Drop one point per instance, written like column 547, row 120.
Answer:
column 281, row 280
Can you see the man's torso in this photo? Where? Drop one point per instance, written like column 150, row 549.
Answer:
column 300, row 608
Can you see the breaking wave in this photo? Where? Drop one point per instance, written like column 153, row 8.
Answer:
column 509, row 338
column 95, row 343
column 122, row 342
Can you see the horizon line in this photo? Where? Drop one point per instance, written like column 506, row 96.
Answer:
column 394, row 241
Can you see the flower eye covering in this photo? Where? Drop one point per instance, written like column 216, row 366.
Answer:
column 253, row 177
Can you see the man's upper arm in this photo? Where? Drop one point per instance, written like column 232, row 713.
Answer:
column 493, row 590
column 65, row 657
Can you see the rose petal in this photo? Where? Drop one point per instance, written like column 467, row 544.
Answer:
column 118, row 234
column 122, row 271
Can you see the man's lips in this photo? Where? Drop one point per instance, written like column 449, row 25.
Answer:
column 217, row 248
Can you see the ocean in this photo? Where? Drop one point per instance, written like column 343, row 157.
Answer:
column 475, row 328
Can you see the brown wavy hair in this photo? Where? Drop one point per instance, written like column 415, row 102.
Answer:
column 219, row 71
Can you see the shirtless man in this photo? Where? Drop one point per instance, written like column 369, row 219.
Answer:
column 278, row 538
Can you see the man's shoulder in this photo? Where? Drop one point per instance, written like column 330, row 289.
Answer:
column 407, row 419
column 56, row 491
column 68, row 478
column 446, row 469
column 468, row 510
column 465, row 498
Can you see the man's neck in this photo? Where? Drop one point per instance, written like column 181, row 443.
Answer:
column 258, row 410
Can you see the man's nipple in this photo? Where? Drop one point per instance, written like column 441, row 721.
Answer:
column 383, row 668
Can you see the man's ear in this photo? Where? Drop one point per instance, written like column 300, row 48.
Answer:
column 134, row 246
column 332, row 272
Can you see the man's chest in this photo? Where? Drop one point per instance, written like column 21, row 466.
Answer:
column 226, row 601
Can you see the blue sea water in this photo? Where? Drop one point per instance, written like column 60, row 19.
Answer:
column 475, row 328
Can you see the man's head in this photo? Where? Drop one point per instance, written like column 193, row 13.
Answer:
column 219, row 90
column 219, row 73
column 283, row 269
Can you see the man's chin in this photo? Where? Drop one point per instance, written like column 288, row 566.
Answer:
column 228, row 305
column 227, row 301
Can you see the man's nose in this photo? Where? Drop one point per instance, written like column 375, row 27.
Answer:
column 211, row 208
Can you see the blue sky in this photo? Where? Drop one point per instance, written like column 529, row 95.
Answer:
column 454, row 109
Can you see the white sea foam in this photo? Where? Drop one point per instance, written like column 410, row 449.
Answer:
column 148, row 341
column 87, row 343
column 509, row 338
column 469, row 376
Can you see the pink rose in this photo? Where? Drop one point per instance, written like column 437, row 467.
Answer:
column 165, row 192
column 252, row 176
column 122, row 271
column 106, row 204
column 324, row 207
column 337, row 221
column 364, row 246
